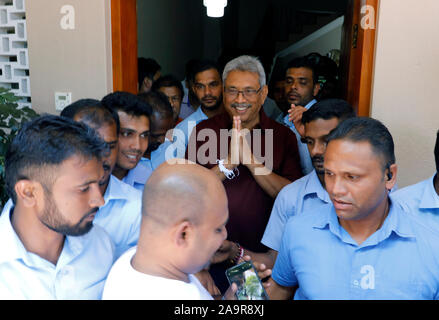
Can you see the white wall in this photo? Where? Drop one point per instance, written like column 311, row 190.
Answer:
column 405, row 88
column 76, row 61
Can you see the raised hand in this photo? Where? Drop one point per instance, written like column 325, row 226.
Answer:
column 295, row 116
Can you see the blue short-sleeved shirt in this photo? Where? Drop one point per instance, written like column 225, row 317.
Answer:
column 181, row 134
column 120, row 216
column 301, row 196
column 305, row 158
column 399, row 261
column 138, row 176
column 422, row 200
column 80, row 272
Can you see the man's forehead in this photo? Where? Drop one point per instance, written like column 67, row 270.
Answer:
column 169, row 89
column 207, row 76
column 127, row 120
column 320, row 126
column 236, row 77
column 299, row 72
column 359, row 152
column 78, row 170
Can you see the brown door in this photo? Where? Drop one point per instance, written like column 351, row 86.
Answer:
column 124, row 43
column 357, row 56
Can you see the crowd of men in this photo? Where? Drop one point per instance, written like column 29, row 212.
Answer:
column 155, row 195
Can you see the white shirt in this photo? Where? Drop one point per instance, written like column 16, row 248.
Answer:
column 121, row 214
column 126, row 283
column 80, row 272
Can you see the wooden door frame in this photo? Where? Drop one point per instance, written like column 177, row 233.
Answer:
column 357, row 57
column 357, row 62
column 124, row 45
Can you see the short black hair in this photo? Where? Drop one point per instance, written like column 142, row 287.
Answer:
column 304, row 62
column 71, row 109
column 166, row 81
column 127, row 102
column 159, row 103
column 189, row 69
column 203, row 65
column 436, row 152
column 48, row 141
column 368, row 130
column 94, row 111
column 328, row 109
column 147, row 67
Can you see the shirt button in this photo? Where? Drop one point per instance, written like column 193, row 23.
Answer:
column 356, row 282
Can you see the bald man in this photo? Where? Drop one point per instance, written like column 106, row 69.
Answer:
column 184, row 215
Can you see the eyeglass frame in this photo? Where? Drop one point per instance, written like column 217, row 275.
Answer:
column 253, row 92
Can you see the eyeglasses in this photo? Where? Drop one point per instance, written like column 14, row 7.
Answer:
column 248, row 93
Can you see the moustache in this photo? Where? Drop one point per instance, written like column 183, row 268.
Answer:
column 92, row 211
column 317, row 159
column 208, row 97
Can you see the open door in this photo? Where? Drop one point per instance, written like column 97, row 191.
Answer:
column 356, row 62
column 124, row 45
column 357, row 53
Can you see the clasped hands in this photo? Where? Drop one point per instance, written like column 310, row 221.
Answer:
column 239, row 150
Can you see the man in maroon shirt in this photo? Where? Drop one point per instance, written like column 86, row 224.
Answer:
column 262, row 158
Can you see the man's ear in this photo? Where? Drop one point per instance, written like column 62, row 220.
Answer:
column 316, row 89
column 390, row 176
column 264, row 93
column 28, row 192
column 183, row 233
column 148, row 83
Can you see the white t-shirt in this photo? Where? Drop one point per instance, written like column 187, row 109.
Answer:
column 126, row 283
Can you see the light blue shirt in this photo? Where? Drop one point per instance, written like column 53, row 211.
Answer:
column 271, row 109
column 305, row 195
column 399, row 261
column 181, row 134
column 422, row 200
column 138, row 176
column 80, row 272
column 305, row 158
column 121, row 214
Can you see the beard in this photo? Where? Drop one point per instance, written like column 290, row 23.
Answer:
column 219, row 101
column 52, row 218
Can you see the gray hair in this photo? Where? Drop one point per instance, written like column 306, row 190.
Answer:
column 245, row 63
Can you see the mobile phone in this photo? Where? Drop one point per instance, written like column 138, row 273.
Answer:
column 246, row 278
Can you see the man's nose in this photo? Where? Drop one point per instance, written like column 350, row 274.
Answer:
column 96, row 199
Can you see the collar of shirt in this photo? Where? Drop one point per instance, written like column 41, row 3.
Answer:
column 290, row 123
column 313, row 185
column 117, row 190
column 139, row 173
column 187, row 127
column 396, row 222
column 430, row 198
column 15, row 250
column 199, row 114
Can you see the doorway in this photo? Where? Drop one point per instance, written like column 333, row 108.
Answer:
column 356, row 50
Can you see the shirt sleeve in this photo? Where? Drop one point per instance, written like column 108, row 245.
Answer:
column 283, row 208
column 283, row 271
